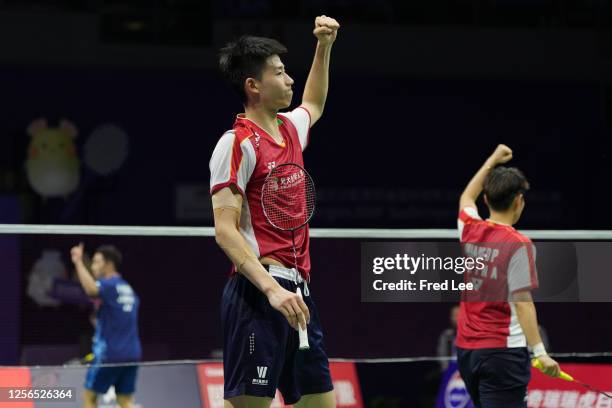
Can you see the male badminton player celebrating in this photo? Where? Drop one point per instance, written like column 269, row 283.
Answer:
column 260, row 309
column 492, row 336
column 116, row 339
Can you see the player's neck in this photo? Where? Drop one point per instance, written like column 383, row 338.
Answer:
column 501, row 218
column 265, row 119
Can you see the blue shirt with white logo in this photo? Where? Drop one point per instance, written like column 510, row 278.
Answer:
column 116, row 338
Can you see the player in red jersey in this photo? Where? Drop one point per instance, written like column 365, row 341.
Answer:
column 493, row 336
column 260, row 310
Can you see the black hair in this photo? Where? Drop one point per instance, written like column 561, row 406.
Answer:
column 245, row 58
column 110, row 253
column 502, row 185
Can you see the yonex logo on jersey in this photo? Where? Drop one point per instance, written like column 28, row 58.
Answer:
column 261, row 373
column 271, row 165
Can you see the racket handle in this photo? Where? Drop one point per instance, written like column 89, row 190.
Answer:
column 562, row 375
column 303, row 333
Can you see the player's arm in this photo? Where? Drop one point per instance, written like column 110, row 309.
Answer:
column 227, row 205
column 85, row 277
column 526, row 313
column 502, row 154
column 317, row 84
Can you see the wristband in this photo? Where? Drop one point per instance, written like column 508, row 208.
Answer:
column 538, row 350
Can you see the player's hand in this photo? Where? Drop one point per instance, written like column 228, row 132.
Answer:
column 291, row 305
column 326, row 29
column 76, row 253
column 502, row 154
column 549, row 366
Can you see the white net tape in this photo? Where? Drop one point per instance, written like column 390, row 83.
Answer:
column 363, row 233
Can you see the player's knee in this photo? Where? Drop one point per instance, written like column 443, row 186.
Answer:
column 90, row 397
column 247, row 402
column 322, row 400
column 125, row 401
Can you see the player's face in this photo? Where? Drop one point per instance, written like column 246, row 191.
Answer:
column 275, row 85
column 97, row 265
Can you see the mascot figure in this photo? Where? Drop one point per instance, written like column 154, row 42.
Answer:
column 52, row 165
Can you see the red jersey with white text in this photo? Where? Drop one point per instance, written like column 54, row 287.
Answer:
column 243, row 158
column 509, row 267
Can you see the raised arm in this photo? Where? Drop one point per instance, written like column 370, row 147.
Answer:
column 87, row 280
column 502, row 154
column 227, row 205
column 317, row 84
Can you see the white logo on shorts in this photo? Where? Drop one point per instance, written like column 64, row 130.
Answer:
column 261, row 372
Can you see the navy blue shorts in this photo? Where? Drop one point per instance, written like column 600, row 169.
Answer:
column 100, row 379
column 260, row 349
column 496, row 377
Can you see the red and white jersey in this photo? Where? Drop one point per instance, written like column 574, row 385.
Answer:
column 509, row 259
column 243, row 158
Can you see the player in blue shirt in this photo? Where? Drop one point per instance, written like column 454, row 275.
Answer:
column 116, row 339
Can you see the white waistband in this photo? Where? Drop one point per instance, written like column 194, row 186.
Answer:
column 286, row 273
column 290, row 274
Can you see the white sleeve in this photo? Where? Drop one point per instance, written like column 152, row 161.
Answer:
column 522, row 270
column 300, row 117
column 232, row 163
column 469, row 212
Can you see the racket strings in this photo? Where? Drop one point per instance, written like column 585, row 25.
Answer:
column 288, row 197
